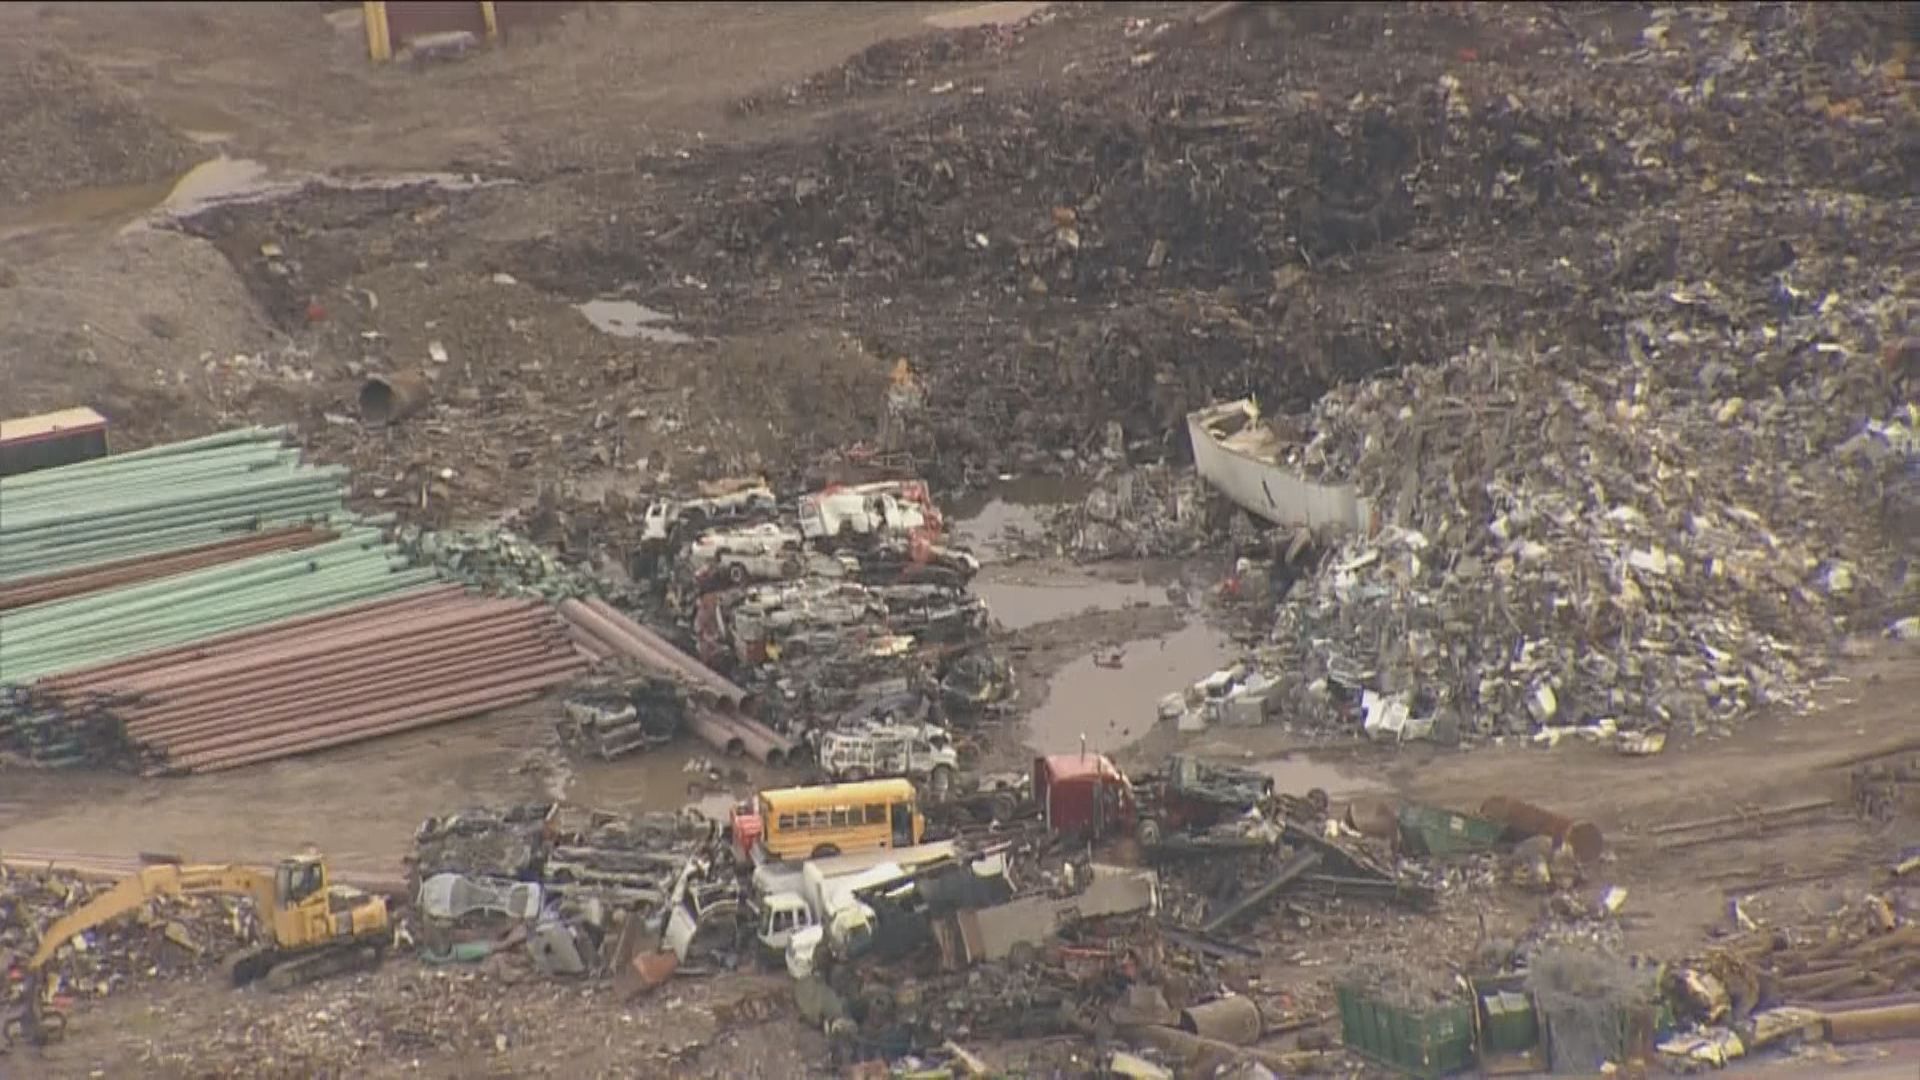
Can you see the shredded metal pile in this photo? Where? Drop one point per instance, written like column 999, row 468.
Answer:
column 1659, row 540
column 167, row 937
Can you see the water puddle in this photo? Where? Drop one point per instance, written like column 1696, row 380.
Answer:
column 631, row 319
column 1112, row 707
column 995, row 520
column 998, row 14
column 1018, row 604
column 219, row 181
column 661, row 780
column 1296, row 774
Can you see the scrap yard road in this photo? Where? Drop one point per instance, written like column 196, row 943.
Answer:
column 1478, row 444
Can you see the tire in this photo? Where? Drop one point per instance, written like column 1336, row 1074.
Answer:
column 824, row 851
column 854, row 775
column 1147, row 832
column 737, row 573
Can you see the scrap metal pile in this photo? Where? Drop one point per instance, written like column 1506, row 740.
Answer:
column 170, row 936
column 575, row 886
column 1656, row 542
column 210, row 604
column 827, row 605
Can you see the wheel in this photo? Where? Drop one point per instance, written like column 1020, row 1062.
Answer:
column 855, row 774
column 737, row 574
column 1148, row 832
column 825, row 851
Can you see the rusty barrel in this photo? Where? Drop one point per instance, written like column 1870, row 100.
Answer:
column 1233, row 1020
column 389, row 399
column 1580, row 837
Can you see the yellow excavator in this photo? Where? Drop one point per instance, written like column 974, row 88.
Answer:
column 309, row 928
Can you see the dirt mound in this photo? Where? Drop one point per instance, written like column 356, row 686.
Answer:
column 153, row 329
column 1191, row 222
column 82, row 130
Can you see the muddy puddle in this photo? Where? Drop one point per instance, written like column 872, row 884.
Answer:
column 631, row 319
column 994, row 521
column 1298, row 773
column 979, row 15
column 1113, row 706
column 1019, row 601
column 662, row 780
column 218, row 181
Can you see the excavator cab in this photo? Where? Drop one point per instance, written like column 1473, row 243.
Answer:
column 310, row 912
column 298, row 878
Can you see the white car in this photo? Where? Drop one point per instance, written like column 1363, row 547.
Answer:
column 888, row 508
column 664, row 515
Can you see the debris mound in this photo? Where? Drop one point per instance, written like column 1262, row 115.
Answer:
column 84, row 131
column 169, row 936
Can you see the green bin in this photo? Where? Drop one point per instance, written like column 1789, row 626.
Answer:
column 1420, row 1042
column 1425, row 830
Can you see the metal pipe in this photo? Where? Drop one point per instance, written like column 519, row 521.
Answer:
column 1873, row 1025
column 328, row 686
column 186, row 681
column 733, row 695
column 1233, row 1020
column 417, row 686
column 1581, row 837
column 354, row 726
column 707, row 726
column 161, row 658
column 628, row 644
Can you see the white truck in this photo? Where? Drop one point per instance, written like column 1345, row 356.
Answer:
column 889, row 508
column 921, row 752
column 789, row 899
column 718, row 502
column 843, row 921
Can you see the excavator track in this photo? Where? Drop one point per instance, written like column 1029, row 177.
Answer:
column 281, row 972
column 301, row 970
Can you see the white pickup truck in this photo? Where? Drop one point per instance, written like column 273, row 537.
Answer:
column 922, row 752
column 897, row 508
column 788, row 899
column 727, row 502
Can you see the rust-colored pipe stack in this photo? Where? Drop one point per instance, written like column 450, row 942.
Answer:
column 719, row 718
column 113, row 575
column 421, row 657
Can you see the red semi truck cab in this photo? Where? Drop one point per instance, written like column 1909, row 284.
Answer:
column 1083, row 795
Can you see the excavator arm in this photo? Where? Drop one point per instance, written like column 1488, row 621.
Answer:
column 133, row 892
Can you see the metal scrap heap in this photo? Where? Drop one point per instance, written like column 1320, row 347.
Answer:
column 1656, row 543
column 170, row 936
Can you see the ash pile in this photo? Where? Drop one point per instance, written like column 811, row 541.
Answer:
column 166, row 938
column 572, row 888
column 842, row 607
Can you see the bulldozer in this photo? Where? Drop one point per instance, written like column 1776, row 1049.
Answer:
column 309, row 928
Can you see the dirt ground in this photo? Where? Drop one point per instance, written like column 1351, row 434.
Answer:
column 805, row 194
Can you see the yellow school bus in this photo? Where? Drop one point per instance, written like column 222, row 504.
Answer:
column 830, row 819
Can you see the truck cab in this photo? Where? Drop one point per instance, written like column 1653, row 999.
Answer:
column 782, row 915
column 1084, row 795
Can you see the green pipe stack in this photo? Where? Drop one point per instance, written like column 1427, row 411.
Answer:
column 170, row 497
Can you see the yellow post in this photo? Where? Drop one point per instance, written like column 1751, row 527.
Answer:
column 493, row 24
column 379, row 40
